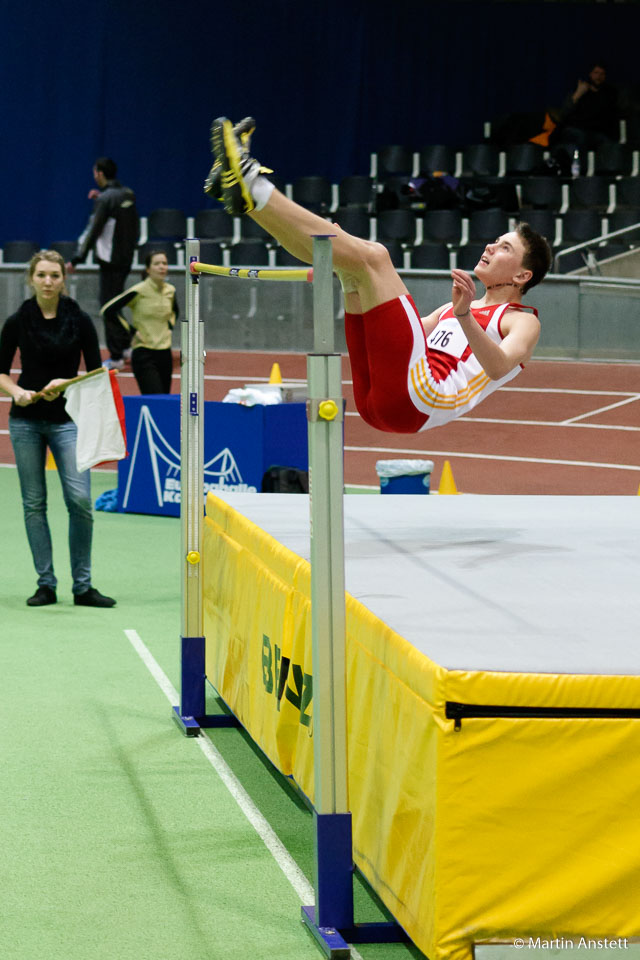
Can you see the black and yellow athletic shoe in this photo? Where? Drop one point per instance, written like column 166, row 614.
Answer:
column 242, row 131
column 234, row 170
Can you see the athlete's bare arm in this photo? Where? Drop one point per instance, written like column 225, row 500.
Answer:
column 521, row 330
column 430, row 323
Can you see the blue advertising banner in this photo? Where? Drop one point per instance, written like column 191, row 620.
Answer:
column 240, row 444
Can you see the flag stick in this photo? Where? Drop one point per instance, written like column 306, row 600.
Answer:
column 67, row 383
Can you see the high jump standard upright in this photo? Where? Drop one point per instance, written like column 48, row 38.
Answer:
column 331, row 920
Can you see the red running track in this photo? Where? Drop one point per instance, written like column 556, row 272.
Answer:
column 558, row 428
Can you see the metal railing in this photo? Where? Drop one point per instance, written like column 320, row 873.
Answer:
column 591, row 263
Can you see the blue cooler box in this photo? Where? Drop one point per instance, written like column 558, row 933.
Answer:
column 404, row 476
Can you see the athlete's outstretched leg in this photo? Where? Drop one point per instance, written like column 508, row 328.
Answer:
column 245, row 190
column 388, row 338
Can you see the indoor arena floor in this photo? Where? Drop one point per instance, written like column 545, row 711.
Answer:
column 126, row 839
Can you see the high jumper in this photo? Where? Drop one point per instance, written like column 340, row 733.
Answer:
column 409, row 373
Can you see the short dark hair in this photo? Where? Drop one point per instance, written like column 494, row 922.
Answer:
column 537, row 254
column 107, row 166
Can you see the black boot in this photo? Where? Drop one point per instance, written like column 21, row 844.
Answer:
column 93, row 598
column 42, row 597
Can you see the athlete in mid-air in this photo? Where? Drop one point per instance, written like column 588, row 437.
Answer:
column 409, row 373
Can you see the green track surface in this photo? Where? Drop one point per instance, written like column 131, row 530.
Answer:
column 118, row 838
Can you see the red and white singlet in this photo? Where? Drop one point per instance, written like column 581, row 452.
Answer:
column 447, row 381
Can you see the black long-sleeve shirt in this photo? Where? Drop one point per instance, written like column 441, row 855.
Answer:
column 49, row 348
column 113, row 227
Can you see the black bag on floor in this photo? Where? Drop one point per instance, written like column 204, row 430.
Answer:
column 285, row 480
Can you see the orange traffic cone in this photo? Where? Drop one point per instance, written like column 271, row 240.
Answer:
column 275, row 376
column 447, row 483
column 51, row 463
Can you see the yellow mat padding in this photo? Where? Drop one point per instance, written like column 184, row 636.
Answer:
column 500, row 829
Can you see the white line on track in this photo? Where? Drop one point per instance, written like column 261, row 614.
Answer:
column 571, row 422
column 275, row 847
column 495, row 456
column 539, row 423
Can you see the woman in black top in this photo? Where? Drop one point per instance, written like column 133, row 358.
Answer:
column 52, row 333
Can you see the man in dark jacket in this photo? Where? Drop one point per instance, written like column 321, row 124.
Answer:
column 590, row 115
column 112, row 232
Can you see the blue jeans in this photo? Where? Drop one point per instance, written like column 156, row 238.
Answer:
column 30, row 439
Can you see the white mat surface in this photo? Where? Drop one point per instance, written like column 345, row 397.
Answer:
column 526, row 584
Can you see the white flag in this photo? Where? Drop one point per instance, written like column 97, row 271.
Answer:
column 95, row 405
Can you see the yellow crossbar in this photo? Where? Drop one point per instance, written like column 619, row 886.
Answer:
column 254, row 273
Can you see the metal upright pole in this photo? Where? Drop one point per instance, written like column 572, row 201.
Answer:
column 192, row 704
column 325, row 413
column 334, row 886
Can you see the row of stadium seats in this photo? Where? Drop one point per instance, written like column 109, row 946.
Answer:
column 489, row 160
column 243, row 242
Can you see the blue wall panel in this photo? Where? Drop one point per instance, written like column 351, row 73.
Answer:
column 327, row 81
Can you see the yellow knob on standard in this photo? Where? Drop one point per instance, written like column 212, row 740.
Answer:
column 193, row 557
column 328, row 409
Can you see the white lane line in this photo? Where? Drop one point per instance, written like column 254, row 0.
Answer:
column 218, row 376
column 540, row 423
column 592, row 413
column 578, row 393
column 271, row 841
column 494, row 456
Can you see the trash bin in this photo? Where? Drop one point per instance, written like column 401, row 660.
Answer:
column 404, row 476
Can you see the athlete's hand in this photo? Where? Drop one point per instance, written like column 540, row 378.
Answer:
column 463, row 292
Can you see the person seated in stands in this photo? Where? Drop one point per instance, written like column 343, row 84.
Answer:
column 590, row 115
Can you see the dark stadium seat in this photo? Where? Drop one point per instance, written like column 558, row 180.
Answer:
column 214, row 224
column 430, row 256
column 211, row 252
column 166, row 224
column 580, row 225
column 625, row 217
column 486, row 225
column 66, row 248
column 589, row 193
column 394, row 160
column 356, row 191
column 480, row 160
column 313, row 193
column 613, row 159
column 628, row 192
column 523, row 159
column 355, row 220
column 286, row 259
column 543, row 221
column 437, row 156
column 442, row 226
column 396, row 225
column 468, row 256
column 249, row 253
column 541, row 193
column 19, row 251
column 396, row 252
column 250, row 230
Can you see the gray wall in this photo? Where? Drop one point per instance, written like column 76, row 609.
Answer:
column 582, row 318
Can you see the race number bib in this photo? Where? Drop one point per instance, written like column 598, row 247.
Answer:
column 448, row 338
